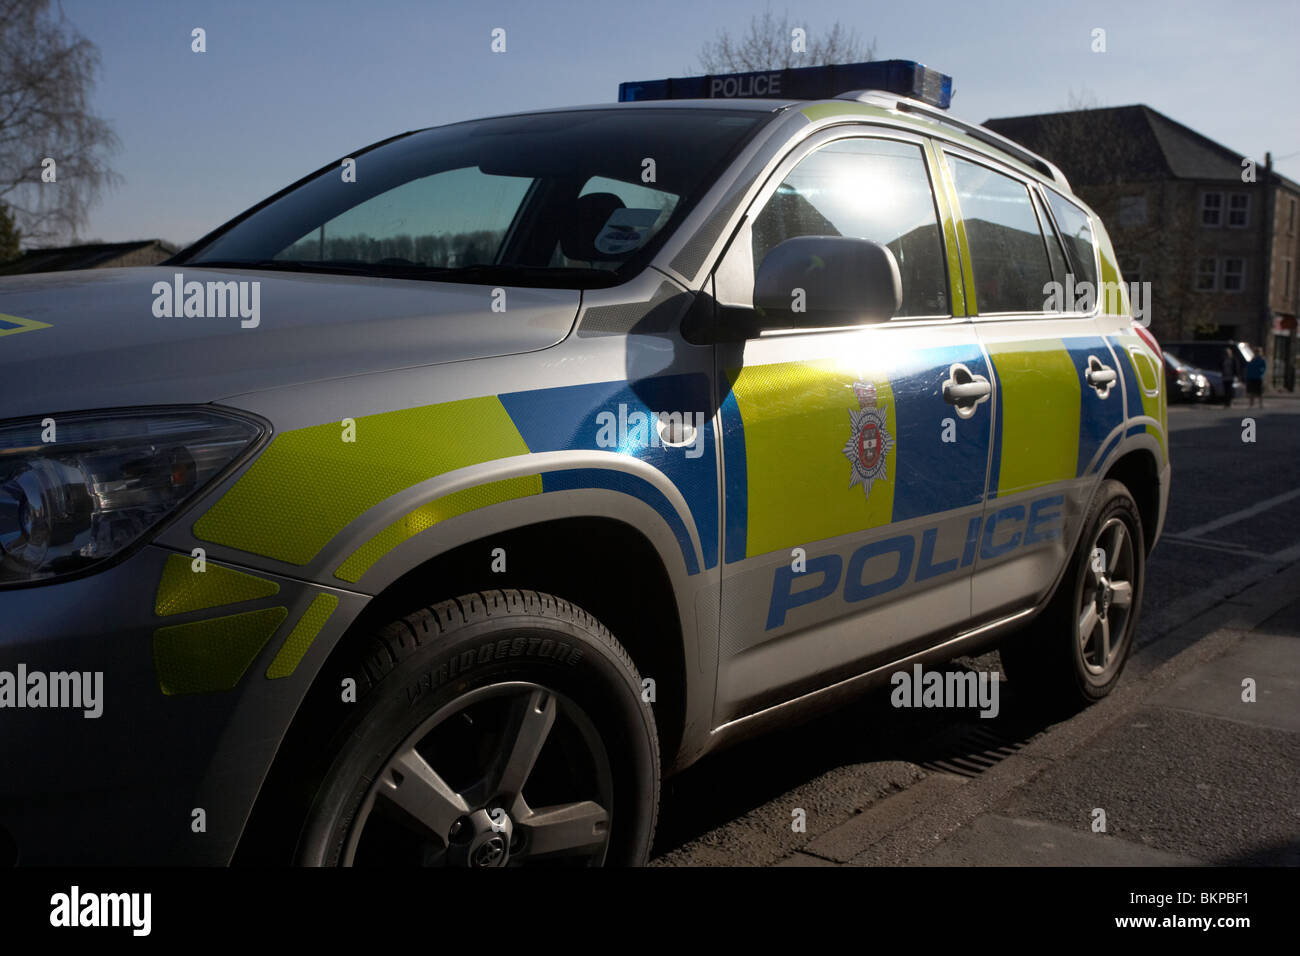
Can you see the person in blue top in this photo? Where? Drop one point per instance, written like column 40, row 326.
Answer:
column 1255, row 379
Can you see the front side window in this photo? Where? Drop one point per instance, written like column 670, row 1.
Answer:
column 545, row 199
column 869, row 189
column 1008, row 254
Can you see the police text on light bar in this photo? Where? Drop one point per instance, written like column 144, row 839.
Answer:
column 902, row 77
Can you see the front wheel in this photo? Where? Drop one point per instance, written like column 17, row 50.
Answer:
column 501, row 728
column 1074, row 652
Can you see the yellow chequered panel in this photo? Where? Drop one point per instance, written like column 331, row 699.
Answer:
column 184, row 589
column 212, row 655
column 797, row 421
column 1038, row 388
column 309, row 483
column 303, row 633
column 428, row 515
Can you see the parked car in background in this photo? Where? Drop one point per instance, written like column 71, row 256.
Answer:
column 1206, row 355
column 1186, row 383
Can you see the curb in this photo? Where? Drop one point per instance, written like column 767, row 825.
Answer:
column 903, row 828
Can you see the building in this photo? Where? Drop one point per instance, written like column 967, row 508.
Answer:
column 1216, row 235
column 99, row 255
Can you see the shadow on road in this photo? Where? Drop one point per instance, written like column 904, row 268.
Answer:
column 742, row 778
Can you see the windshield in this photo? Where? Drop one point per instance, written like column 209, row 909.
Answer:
column 567, row 199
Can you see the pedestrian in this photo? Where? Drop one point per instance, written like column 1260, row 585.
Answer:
column 1229, row 372
column 1255, row 378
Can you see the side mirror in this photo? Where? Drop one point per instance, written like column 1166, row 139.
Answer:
column 817, row 281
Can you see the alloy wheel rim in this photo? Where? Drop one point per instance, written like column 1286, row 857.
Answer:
column 490, row 814
column 1106, row 602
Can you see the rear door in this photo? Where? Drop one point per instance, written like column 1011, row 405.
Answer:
column 855, row 459
column 1059, row 401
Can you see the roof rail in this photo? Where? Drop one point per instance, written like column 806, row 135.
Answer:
column 985, row 136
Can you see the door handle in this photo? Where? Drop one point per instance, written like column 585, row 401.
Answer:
column 965, row 392
column 1099, row 376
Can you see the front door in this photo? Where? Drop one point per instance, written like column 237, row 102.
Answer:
column 855, row 459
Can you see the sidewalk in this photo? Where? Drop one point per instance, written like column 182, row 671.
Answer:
column 1184, row 770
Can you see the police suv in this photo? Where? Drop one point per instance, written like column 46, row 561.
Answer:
column 433, row 509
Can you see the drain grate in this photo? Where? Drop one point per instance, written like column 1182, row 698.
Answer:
column 969, row 750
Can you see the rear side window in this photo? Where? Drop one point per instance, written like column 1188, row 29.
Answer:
column 1008, row 255
column 1077, row 232
column 869, row 189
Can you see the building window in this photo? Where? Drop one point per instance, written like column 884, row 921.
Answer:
column 1207, row 275
column 1290, row 220
column 1211, row 209
column 1132, row 211
column 1238, row 211
column 1130, row 268
column 1286, row 282
column 1234, row 274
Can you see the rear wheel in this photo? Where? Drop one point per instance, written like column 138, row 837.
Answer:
column 1074, row 652
column 502, row 728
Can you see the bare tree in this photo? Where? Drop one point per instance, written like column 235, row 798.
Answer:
column 769, row 44
column 47, row 71
column 9, row 236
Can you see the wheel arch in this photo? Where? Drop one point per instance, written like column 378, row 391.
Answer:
column 649, row 626
column 1137, row 472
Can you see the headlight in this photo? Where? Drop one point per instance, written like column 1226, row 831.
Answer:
column 1202, row 382
column 103, row 482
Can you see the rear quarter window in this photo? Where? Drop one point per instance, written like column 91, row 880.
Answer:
column 1076, row 230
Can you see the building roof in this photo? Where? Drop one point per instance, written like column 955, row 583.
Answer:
column 1124, row 144
column 90, row 256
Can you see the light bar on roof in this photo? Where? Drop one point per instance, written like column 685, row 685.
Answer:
column 901, row 77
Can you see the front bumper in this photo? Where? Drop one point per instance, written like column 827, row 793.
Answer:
column 128, row 786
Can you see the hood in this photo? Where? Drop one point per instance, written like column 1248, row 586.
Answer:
column 101, row 338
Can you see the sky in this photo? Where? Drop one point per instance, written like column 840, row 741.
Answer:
column 286, row 86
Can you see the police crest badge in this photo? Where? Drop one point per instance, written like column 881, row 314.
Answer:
column 869, row 443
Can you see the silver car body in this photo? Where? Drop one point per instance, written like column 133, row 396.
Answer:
column 959, row 557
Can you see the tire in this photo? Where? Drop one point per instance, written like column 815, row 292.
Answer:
column 1051, row 662
column 503, row 727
